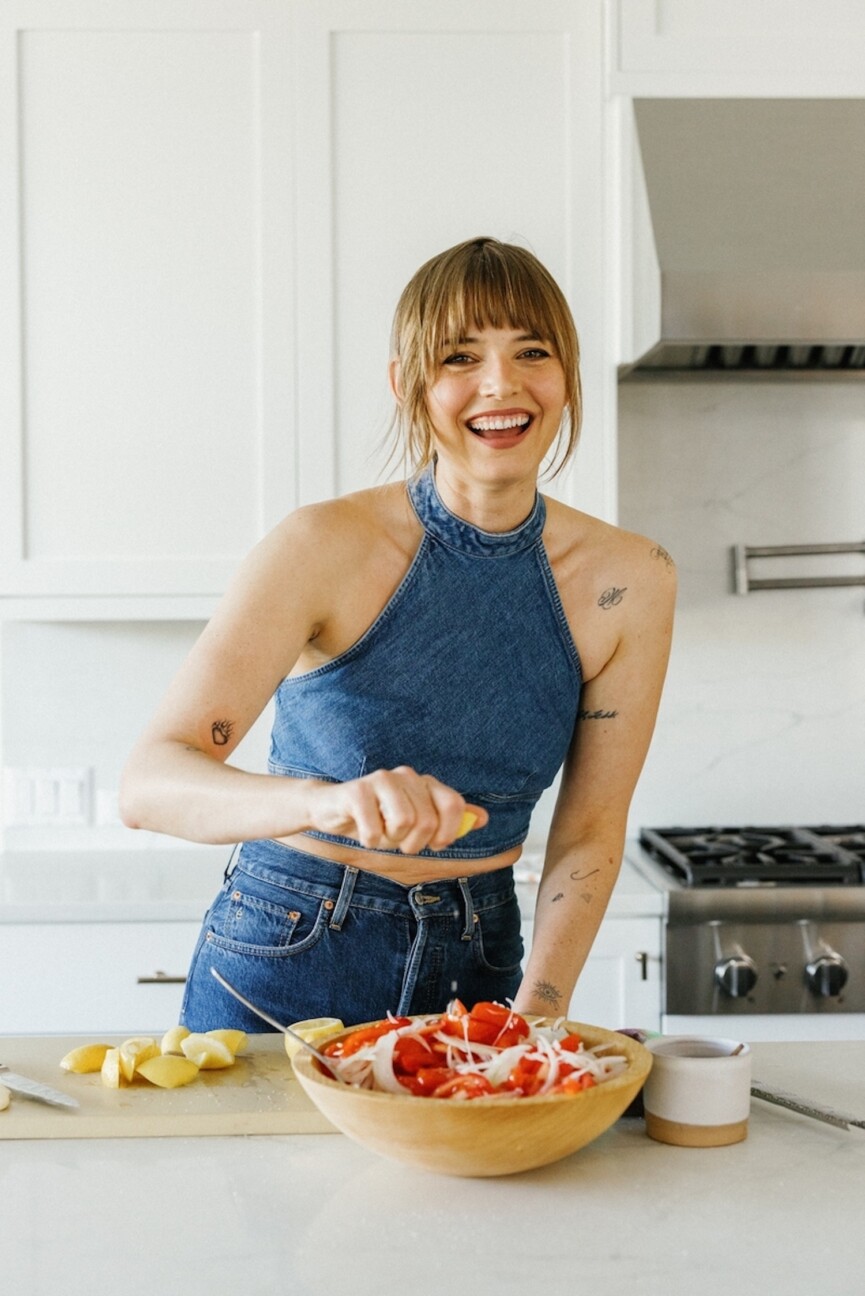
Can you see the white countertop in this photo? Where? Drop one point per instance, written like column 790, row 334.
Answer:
column 311, row 1215
column 178, row 884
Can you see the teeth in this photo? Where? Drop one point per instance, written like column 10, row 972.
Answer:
column 495, row 424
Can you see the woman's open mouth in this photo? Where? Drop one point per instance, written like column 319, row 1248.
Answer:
column 501, row 430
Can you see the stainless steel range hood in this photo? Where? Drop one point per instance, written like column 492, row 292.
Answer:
column 758, row 215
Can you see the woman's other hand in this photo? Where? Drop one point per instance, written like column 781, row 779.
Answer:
column 396, row 809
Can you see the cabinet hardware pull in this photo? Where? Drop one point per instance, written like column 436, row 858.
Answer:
column 160, row 978
column 643, row 959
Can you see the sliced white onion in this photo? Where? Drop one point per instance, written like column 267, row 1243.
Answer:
column 382, row 1064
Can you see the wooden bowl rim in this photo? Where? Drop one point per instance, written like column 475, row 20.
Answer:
column 639, row 1065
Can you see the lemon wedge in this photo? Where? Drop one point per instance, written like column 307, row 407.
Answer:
column 171, row 1040
column 206, row 1052
column 135, row 1051
column 232, row 1039
column 112, row 1076
column 315, row 1030
column 85, row 1059
column 467, row 823
column 168, row 1070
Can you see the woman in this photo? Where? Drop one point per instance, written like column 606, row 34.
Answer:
column 438, row 649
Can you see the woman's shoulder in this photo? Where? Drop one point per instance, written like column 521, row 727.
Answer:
column 360, row 516
column 569, row 529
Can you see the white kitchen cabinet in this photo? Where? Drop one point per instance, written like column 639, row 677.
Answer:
column 93, row 978
column 206, row 215
column 425, row 125
column 620, row 984
column 701, row 48
column 147, row 429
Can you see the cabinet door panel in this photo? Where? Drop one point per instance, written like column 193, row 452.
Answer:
column 620, row 984
column 92, row 978
column 427, row 125
column 148, row 289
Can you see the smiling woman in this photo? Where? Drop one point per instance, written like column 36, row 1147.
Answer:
column 478, row 286
column 437, row 649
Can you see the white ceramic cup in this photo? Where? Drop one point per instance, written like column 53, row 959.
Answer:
column 698, row 1093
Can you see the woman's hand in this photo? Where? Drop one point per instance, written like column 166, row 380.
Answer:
column 396, row 809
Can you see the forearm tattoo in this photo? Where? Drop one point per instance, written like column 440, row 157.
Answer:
column 547, row 993
column 221, row 731
column 597, row 715
column 611, row 597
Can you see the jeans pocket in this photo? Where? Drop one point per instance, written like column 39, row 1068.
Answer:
column 245, row 923
column 498, row 942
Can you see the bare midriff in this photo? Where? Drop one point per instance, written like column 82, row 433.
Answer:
column 413, row 870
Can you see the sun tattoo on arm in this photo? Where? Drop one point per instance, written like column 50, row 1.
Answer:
column 547, row 993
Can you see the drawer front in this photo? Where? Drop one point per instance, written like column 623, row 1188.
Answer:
column 70, row 978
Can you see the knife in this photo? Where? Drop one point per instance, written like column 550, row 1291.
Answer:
column 33, row 1089
column 804, row 1107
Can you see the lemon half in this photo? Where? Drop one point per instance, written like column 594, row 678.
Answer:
column 314, row 1031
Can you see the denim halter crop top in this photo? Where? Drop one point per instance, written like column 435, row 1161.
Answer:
column 469, row 673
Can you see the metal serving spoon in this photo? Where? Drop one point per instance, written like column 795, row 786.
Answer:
column 322, row 1059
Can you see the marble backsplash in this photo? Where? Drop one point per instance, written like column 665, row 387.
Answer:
column 763, row 716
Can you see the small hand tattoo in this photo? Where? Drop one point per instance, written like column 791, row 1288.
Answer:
column 221, row 731
column 559, row 896
column 586, row 897
column 660, row 552
column 597, row 715
column 611, row 597
column 577, row 876
column 547, row 993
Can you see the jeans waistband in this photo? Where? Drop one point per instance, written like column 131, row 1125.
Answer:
column 284, row 866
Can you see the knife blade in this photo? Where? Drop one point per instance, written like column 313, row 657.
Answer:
column 805, row 1107
column 34, row 1089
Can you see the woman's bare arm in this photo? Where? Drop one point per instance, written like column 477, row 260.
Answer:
column 177, row 779
column 584, row 851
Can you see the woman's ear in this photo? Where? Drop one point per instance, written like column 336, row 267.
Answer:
column 394, row 375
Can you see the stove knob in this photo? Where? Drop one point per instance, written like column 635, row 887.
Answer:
column 827, row 975
column 737, row 975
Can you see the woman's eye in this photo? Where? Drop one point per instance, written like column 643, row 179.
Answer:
column 457, row 358
column 536, row 353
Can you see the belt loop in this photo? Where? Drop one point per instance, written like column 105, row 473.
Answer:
column 346, row 891
column 468, row 930
column 228, row 870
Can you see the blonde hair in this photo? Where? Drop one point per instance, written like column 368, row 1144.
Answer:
column 477, row 284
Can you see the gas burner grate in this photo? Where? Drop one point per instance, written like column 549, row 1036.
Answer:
column 757, row 856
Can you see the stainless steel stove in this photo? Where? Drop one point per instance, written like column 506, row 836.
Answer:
column 762, row 923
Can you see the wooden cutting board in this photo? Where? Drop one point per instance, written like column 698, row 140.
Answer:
column 258, row 1095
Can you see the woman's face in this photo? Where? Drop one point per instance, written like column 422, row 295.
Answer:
column 496, row 403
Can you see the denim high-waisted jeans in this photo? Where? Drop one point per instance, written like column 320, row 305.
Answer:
column 304, row 937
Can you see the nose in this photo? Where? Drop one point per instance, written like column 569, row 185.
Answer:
column 500, row 377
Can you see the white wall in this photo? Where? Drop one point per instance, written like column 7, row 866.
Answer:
column 763, row 717
column 77, row 694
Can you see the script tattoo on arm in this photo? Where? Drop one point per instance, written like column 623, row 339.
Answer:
column 547, row 993
column 611, row 597
column 597, row 715
column 221, row 731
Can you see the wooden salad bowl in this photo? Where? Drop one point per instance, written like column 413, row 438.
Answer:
column 482, row 1136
